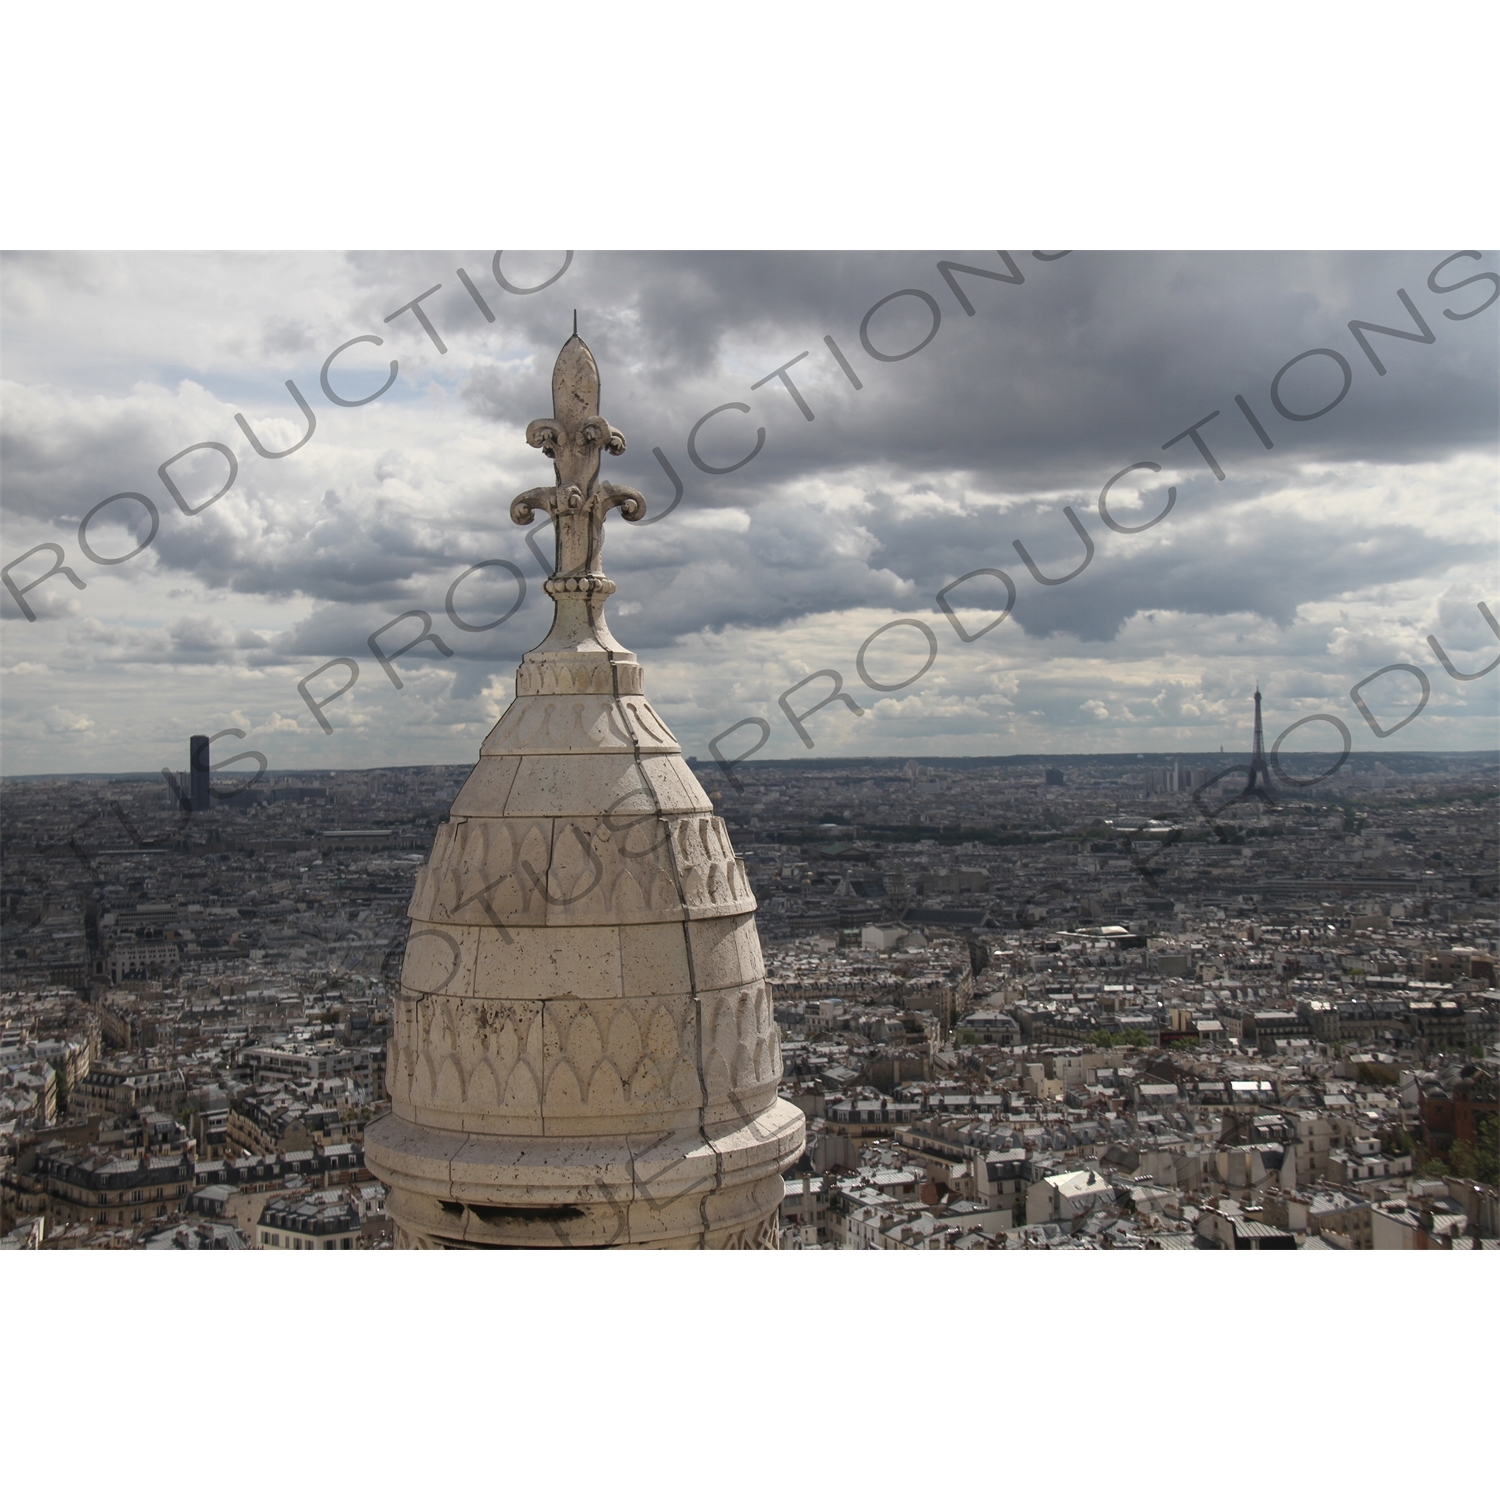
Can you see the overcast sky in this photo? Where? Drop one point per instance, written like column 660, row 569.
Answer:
column 1307, row 567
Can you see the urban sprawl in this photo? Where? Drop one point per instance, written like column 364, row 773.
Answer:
column 1069, row 1002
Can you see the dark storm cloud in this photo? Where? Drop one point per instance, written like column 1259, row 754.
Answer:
column 1094, row 361
column 1214, row 554
column 1096, row 358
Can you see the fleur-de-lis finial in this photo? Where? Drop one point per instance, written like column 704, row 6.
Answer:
column 575, row 437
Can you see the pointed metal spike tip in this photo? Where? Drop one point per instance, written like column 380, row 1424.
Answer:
column 575, row 322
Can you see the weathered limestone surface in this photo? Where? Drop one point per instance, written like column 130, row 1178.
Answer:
column 583, row 1052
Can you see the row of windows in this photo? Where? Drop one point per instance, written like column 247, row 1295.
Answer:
column 119, row 1218
column 138, row 1195
column 297, row 1242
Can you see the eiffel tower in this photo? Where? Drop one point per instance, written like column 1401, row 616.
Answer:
column 1259, row 784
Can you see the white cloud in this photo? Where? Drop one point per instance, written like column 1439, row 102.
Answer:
column 1308, row 567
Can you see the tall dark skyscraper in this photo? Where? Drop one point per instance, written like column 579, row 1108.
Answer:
column 198, row 767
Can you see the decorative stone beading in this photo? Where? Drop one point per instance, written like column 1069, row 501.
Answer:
column 583, row 1048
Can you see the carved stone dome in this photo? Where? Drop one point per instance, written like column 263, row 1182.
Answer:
column 583, row 1049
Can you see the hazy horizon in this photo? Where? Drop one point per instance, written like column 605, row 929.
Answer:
column 771, row 763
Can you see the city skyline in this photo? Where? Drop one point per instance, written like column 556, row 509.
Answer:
column 1256, row 756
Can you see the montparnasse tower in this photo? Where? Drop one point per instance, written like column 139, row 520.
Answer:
column 583, row 1049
